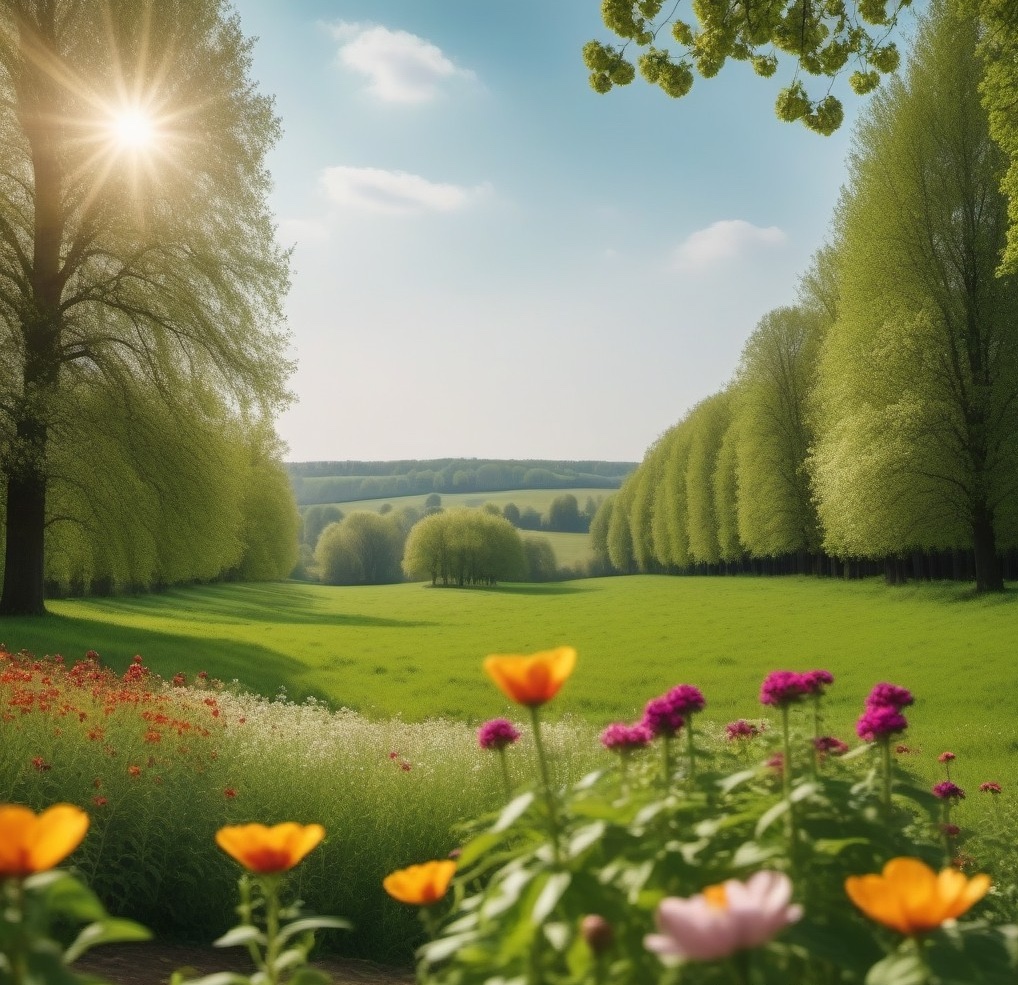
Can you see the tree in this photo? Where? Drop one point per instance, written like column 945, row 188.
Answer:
column 464, row 547
column 918, row 387
column 126, row 268
column 599, row 527
column 822, row 38
column 364, row 549
column 708, row 422
column 777, row 514
column 542, row 565
column 316, row 519
column 512, row 513
column 564, row 515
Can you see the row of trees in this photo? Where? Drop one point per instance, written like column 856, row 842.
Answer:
column 879, row 416
column 313, row 483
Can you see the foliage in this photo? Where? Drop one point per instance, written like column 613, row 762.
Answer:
column 540, row 559
column 821, row 38
column 464, row 547
column 917, row 388
column 609, row 850
column 362, row 549
column 127, row 273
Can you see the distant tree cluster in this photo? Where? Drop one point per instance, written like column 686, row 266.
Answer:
column 878, row 418
column 465, row 547
column 564, row 515
column 343, row 482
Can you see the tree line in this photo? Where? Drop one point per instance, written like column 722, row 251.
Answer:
column 874, row 424
column 344, row 482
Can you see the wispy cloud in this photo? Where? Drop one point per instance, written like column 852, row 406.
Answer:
column 724, row 241
column 400, row 67
column 396, row 192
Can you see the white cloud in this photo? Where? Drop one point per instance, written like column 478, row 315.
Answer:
column 396, row 192
column 723, row 241
column 400, row 67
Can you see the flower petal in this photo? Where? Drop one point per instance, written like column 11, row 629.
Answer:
column 58, row 831
column 873, row 896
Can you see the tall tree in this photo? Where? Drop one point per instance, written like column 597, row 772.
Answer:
column 136, row 247
column 776, row 510
column 708, row 421
column 918, row 387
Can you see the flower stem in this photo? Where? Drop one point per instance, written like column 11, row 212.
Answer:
column 692, row 749
column 15, row 907
column 885, row 743
column 786, row 783
column 549, row 796
column 666, row 759
column 270, row 886
column 506, row 782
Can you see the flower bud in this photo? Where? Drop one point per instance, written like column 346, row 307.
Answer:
column 597, row 932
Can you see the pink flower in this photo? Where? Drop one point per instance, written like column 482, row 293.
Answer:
column 989, row 787
column 724, row 919
column 951, row 830
column 686, row 699
column 830, row 744
column 624, row 738
column 889, row 694
column 817, row 680
column 946, row 790
column 946, row 757
column 783, row 687
column 497, row 734
column 879, row 722
column 662, row 718
column 741, row 730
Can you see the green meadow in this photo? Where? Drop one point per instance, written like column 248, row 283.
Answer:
column 415, row 651
column 538, row 499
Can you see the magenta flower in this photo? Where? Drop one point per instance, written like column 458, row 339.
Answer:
column 946, row 790
column 817, row 680
column 989, row 787
column 889, row 694
column 661, row 718
column 686, row 699
column 880, row 722
column 724, row 919
column 783, row 687
column 497, row 734
column 946, row 757
column 830, row 745
column 625, row 738
column 950, row 830
column 741, row 730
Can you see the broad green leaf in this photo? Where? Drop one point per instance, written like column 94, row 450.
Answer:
column 513, row 811
column 109, row 931
column 550, row 895
column 900, row 968
column 313, row 923
column 771, row 815
column 241, row 935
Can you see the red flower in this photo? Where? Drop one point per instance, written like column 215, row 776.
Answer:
column 405, row 767
column 40, row 764
column 100, row 801
column 229, row 793
column 134, row 770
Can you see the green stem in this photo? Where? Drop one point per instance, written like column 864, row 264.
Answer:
column 666, row 759
column 506, row 782
column 740, row 968
column 692, row 749
column 786, row 783
column 246, row 912
column 885, row 743
column 549, row 796
column 15, row 893
column 270, row 886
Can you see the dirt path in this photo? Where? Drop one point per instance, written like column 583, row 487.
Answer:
column 153, row 962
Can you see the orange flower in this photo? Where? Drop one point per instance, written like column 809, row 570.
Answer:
column 532, row 680
column 262, row 849
column 911, row 898
column 33, row 843
column 420, row 885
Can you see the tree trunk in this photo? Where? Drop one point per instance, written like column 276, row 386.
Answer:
column 24, row 555
column 989, row 574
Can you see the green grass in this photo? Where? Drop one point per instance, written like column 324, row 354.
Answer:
column 539, row 499
column 570, row 549
column 416, row 651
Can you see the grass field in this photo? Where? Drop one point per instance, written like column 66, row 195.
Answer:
column 539, row 499
column 416, row 651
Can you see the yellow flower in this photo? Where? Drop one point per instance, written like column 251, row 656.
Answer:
column 265, row 850
column 31, row 842
column 911, row 898
column 532, row 680
column 420, row 885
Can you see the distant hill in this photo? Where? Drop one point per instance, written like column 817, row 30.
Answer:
column 344, row 482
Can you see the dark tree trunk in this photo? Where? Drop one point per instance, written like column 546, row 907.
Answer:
column 23, row 557
column 989, row 573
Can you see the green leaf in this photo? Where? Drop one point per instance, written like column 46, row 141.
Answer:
column 218, row 978
column 729, row 783
column 513, row 811
column 585, row 837
column 313, row 923
column 109, row 931
column 72, row 899
column 240, row 935
column 477, row 848
column 900, row 968
column 752, row 853
column 771, row 815
column 552, row 892
column 310, row 976
column 444, row 947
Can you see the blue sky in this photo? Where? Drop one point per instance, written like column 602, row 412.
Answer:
column 492, row 260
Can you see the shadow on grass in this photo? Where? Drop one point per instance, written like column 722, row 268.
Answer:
column 258, row 668
column 542, row 588
column 275, row 603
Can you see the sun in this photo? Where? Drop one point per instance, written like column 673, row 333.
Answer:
column 133, row 129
